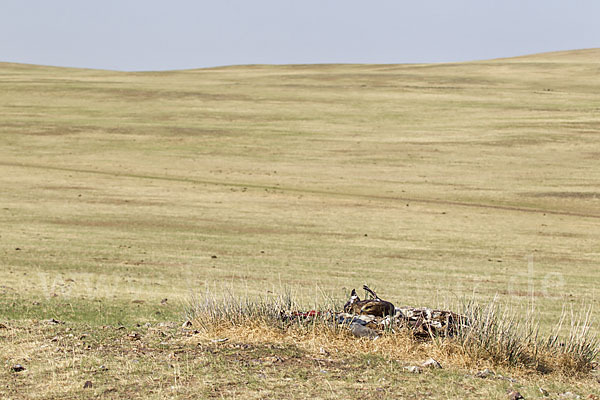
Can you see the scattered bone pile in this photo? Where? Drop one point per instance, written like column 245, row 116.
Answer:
column 422, row 322
column 374, row 316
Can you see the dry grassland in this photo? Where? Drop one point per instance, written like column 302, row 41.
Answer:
column 432, row 183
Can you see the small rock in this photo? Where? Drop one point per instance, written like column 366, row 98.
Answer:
column 53, row 321
column 486, row 373
column 17, row 368
column 102, row 368
column 413, row 369
column 164, row 301
column 568, row 395
column 514, row 395
column 506, row 378
column 2, row 326
column 361, row 331
column 222, row 340
column 544, row 392
column 88, row 385
column 431, row 363
column 134, row 336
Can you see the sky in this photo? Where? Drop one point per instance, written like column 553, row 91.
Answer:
column 142, row 35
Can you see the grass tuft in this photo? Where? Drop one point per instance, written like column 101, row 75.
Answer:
column 509, row 338
column 494, row 335
column 210, row 309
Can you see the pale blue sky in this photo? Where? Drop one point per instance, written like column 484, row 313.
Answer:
column 178, row 34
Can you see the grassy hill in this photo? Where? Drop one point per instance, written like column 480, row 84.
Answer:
column 430, row 182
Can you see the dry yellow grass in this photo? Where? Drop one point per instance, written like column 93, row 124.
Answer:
column 162, row 361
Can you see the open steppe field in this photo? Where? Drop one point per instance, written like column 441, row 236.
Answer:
column 433, row 183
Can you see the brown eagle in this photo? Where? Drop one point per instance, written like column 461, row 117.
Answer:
column 374, row 306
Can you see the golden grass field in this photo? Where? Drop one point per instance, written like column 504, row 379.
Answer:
column 433, row 183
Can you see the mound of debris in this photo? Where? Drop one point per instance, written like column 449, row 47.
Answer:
column 373, row 316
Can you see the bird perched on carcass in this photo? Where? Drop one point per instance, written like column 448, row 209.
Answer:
column 374, row 306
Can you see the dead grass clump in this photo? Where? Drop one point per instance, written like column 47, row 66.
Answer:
column 580, row 348
column 490, row 334
column 229, row 309
column 505, row 337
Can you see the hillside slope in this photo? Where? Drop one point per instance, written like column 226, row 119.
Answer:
column 125, row 194
column 456, row 169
